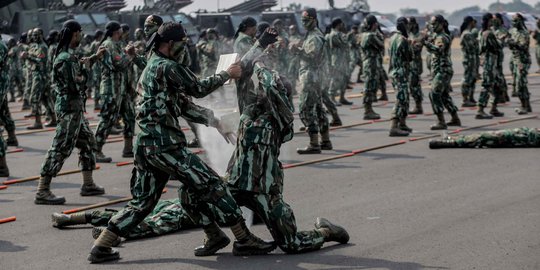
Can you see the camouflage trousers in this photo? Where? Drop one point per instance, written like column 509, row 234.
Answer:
column 154, row 166
column 96, row 80
column 401, row 107
column 112, row 108
column 501, row 87
column 440, row 96
column 311, row 109
column 27, row 84
column 72, row 131
column 490, row 87
column 372, row 79
column 329, row 104
column 338, row 81
column 4, row 84
column 415, row 89
column 518, row 137
column 468, row 83
column 48, row 99
column 5, row 115
column 38, row 86
column 519, row 74
column 167, row 217
column 16, row 79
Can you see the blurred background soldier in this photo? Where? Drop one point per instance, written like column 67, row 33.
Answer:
column 372, row 47
column 4, row 84
column 244, row 36
column 416, row 39
column 519, row 44
column 501, row 33
column 95, row 79
column 469, row 48
column 339, row 61
column 14, row 69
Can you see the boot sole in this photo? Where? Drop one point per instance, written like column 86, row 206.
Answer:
column 92, row 193
column 215, row 249
column 482, row 117
column 94, row 259
column 43, row 202
column 253, row 252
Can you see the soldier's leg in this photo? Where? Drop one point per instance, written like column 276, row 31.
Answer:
column 382, row 85
column 438, row 85
column 27, row 89
column 9, row 124
column 522, row 89
column 108, row 115
column 4, row 170
column 127, row 112
column 309, row 100
column 96, row 218
column 416, row 91
column 38, row 84
column 86, row 143
column 401, row 107
column 48, row 103
column 343, row 87
column 324, row 129
column 332, row 109
column 370, row 94
column 448, row 103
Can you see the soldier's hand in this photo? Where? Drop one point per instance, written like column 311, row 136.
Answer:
column 268, row 37
column 130, row 50
column 235, row 70
column 101, row 51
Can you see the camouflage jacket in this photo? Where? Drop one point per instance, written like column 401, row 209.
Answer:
column 113, row 64
column 37, row 57
column 242, row 44
column 310, row 55
column 519, row 44
column 4, row 78
column 164, row 89
column 469, row 44
column 208, row 51
column 439, row 47
column 372, row 49
column 68, row 79
column 339, row 49
column 416, row 40
column 490, row 48
column 400, row 57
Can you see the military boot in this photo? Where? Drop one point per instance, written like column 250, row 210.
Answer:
column 194, row 143
column 89, row 188
column 440, row 123
column 44, row 194
column 313, row 146
column 467, row 102
column 417, row 109
column 471, row 97
column 96, row 232
column 12, row 138
column 331, row 232
column 480, row 114
column 437, row 144
column 383, row 96
column 369, row 114
column 343, row 100
column 26, row 105
column 215, row 240
column 454, row 121
column 529, row 109
column 247, row 243
column 60, row 220
column 494, row 111
column 336, row 120
column 395, row 131
column 100, row 157
column 326, row 144
column 97, row 105
column 523, row 109
column 102, row 250
column 128, row 147
column 4, row 170
column 37, row 123
column 403, row 125
column 53, row 122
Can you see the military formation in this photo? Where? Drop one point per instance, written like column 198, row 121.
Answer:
column 149, row 82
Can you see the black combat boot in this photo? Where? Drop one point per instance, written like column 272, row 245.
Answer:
column 248, row 244
column 440, row 123
column 53, row 122
column 331, row 232
column 128, row 147
column 37, row 123
column 454, row 121
column 326, row 144
column 102, row 250
column 313, row 146
column 12, row 138
column 417, row 109
column 26, row 105
column 480, row 114
column 89, row 188
column 494, row 111
column 100, row 157
column 4, row 170
column 60, row 220
column 437, row 144
column 523, row 109
column 467, row 102
column 343, row 100
column 395, row 131
column 215, row 240
column 44, row 194
column 369, row 114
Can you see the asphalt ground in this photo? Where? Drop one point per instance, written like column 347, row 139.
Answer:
column 405, row 206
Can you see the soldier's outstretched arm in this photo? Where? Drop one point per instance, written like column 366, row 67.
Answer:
column 184, row 80
column 197, row 114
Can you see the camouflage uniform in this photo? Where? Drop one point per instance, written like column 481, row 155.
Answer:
column 490, row 48
column 501, row 86
column 27, row 76
column 339, row 60
column 477, row 35
column 167, row 217
column 160, row 147
column 400, row 57
column 112, row 90
column 372, row 47
column 15, row 70
column 519, row 44
column 469, row 48
column 242, row 44
column 536, row 37
column 4, row 84
column 96, row 73
column 292, row 70
column 37, row 56
column 416, row 67
column 517, row 137
column 208, row 51
column 73, row 129
column 11, row 67
column 256, row 175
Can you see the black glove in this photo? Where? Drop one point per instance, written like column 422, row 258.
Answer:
column 268, row 37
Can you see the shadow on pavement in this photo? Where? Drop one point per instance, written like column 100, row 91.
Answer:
column 6, row 246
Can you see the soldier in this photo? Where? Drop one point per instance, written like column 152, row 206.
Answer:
column 114, row 62
column 73, row 129
column 517, row 137
column 4, row 84
column 14, row 69
column 519, row 44
column 476, row 33
column 416, row 68
column 354, row 49
column 502, row 35
column 292, row 70
column 312, row 114
column 282, row 47
column 14, row 74
column 244, row 36
column 37, row 58
column 536, row 37
column 255, row 175
column 469, row 48
column 167, row 217
column 209, row 50
column 339, row 60
column 161, row 152
column 400, row 54
column 439, row 46
column 372, row 46
column 26, row 42
column 490, row 47
column 96, row 70
column 48, row 95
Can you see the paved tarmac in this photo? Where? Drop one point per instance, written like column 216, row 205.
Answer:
column 405, row 206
